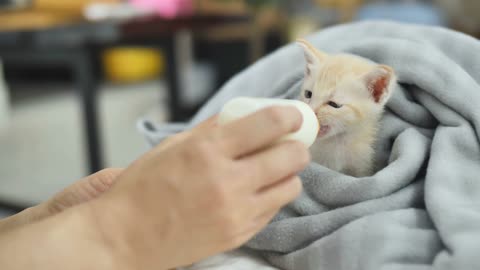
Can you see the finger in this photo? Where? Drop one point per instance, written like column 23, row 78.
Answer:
column 279, row 195
column 257, row 224
column 258, row 130
column 263, row 220
column 182, row 136
column 274, row 164
column 207, row 124
column 167, row 143
column 267, row 204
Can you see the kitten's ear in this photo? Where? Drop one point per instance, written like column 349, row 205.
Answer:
column 313, row 56
column 378, row 82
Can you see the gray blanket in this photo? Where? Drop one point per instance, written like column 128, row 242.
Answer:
column 421, row 210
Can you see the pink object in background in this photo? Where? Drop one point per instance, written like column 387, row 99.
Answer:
column 166, row 8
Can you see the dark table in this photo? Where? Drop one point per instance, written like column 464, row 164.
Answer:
column 77, row 47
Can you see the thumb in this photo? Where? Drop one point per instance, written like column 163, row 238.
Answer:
column 179, row 137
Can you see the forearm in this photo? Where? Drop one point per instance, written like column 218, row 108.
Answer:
column 95, row 234
column 68, row 240
column 17, row 220
column 27, row 216
column 80, row 192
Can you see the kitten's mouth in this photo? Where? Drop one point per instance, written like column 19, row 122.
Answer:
column 324, row 129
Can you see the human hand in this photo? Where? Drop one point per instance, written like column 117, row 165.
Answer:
column 203, row 192
column 62, row 227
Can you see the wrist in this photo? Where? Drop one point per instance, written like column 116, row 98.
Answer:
column 108, row 238
column 79, row 225
column 130, row 234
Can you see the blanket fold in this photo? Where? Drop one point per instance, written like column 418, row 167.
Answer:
column 421, row 209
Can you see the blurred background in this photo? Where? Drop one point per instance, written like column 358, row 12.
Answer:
column 76, row 75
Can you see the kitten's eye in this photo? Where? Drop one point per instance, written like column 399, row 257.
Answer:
column 334, row 105
column 308, row 94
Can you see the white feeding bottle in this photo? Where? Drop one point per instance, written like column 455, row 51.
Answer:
column 243, row 106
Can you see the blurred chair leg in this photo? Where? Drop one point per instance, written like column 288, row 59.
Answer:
column 172, row 77
column 4, row 101
column 87, row 89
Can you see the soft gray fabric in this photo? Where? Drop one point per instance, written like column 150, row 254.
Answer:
column 421, row 210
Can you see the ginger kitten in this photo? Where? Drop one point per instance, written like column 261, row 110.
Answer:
column 348, row 95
